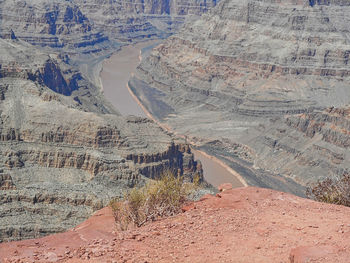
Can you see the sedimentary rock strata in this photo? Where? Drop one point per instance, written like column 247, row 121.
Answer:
column 50, row 23
column 250, row 82
column 135, row 20
column 80, row 26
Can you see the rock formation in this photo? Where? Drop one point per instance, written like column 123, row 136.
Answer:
column 263, row 85
column 240, row 225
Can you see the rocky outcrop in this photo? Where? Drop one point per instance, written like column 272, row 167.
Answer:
column 167, row 7
column 64, row 152
column 49, row 74
column 333, row 124
column 6, row 182
column 237, row 225
column 307, row 147
column 248, row 82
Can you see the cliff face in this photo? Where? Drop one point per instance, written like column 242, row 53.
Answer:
column 237, row 80
column 135, row 20
column 333, row 125
column 63, row 151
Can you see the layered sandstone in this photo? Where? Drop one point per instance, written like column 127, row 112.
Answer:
column 251, row 81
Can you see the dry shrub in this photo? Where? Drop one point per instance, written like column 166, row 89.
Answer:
column 333, row 191
column 160, row 198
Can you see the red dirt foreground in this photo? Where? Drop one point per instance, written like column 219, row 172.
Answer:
column 237, row 225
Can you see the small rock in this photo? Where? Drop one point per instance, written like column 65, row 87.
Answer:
column 188, row 207
column 225, row 187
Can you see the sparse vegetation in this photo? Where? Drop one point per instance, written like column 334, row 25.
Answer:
column 159, row 198
column 333, row 191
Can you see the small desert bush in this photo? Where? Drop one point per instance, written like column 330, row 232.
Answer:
column 334, row 191
column 158, row 198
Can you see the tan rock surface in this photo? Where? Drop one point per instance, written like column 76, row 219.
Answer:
column 240, row 225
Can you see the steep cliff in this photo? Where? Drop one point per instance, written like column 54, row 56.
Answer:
column 236, row 81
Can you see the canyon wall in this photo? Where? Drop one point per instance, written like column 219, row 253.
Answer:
column 56, row 24
column 263, row 85
column 90, row 26
column 133, row 20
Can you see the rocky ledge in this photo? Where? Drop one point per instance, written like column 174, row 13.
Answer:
column 237, row 225
column 253, row 82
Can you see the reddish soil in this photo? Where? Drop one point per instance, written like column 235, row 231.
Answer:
column 238, row 225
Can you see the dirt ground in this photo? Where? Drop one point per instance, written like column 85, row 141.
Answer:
column 238, row 225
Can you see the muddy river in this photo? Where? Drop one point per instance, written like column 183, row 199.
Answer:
column 115, row 75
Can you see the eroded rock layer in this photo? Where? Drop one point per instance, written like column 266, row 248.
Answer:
column 250, row 82
column 64, row 152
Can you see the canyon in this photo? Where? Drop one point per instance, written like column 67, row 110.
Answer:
column 91, row 26
column 116, row 91
column 63, row 157
column 65, row 151
column 261, row 85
